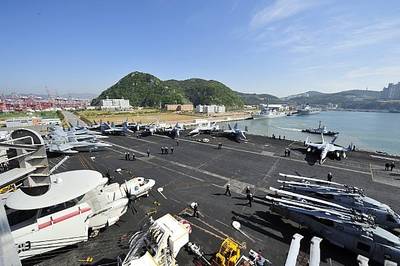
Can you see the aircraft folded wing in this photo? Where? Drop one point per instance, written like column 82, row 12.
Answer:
column 339, row 148
column 315, row 145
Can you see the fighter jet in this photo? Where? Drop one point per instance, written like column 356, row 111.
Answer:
column 345, row 228
column 235, row 133
column 94, row 126
column 107, row 129
column 326, row 147
column 350, row 197
column 59, row 141
column 174, row 131
column 204, row 128
column 59, row 148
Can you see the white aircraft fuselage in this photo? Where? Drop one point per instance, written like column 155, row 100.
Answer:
column 38, row 225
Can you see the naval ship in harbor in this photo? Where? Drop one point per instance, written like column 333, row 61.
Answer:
column 308, row 110
column 270, row 111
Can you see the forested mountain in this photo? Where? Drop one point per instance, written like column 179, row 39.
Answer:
column 144, row 89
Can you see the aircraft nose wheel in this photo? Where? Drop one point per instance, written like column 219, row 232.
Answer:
column 93, row 233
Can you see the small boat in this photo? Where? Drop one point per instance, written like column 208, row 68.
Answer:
column 320, row 130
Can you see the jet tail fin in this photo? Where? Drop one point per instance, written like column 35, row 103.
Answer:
column 103, row 127
column 229, row 126
column 334, row 139
column 125, row 127
column 322, row 137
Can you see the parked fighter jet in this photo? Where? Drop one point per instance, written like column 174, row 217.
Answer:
column 94, row 126
column 204, row 129
column 107, row 129
column 345, row 228
column 60, row 141
column 350, row 197
column 76, row 205
column 326, row 147
column 150, row 129
column 235, row 133
column 174, row 131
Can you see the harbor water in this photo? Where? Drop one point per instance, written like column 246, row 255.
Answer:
column 370, row 131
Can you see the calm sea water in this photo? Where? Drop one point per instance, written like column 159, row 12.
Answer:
column 367, row 130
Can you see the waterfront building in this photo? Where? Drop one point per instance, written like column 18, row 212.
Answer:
column 179, row 107
column 210, row 109
column 392, row 91
column 32, row 121
column 115, row 104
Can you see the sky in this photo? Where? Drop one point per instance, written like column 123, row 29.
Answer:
column 281, row 47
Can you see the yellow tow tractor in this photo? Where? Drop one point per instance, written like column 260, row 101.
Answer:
column 228, row 254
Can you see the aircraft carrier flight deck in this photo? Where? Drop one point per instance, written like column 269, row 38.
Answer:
column 199, row 172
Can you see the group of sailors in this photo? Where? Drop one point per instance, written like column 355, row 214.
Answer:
column 165, row 150
column 128, row 156
column 249, row 195
column 279, row 137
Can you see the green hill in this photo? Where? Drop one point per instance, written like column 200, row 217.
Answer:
column 351, row 99
column 200, row 91
column 144, row 89
column 313, row 97
column 256, row 99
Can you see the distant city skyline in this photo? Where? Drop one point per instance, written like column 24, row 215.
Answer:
column 279, row 47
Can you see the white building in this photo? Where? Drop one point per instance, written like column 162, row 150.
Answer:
column 20, row 122
column 210, row 109
column 32, row 121
column 277, row 107
column 115, row 104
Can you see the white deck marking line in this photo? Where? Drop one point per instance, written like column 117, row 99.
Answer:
column 274, row 156
column 178, row 164
column 384, row 158
column 209, row 160
column 273, row 168
column 218, row 186
column 161, row 166
column 125, row 148
column 372, row 172
column 143, row 140
column 293, row 142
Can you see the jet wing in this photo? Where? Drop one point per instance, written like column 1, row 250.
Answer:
column 337, row 148
column 318, row 146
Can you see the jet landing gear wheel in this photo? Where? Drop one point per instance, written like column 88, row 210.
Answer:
column 93, row 233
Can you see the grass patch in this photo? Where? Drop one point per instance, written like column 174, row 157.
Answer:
column 42, row 114
column 143, row 116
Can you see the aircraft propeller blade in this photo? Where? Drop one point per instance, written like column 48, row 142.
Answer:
column 315, row 253
column 294, row 249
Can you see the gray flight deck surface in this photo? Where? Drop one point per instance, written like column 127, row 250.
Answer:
column 199, row 172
